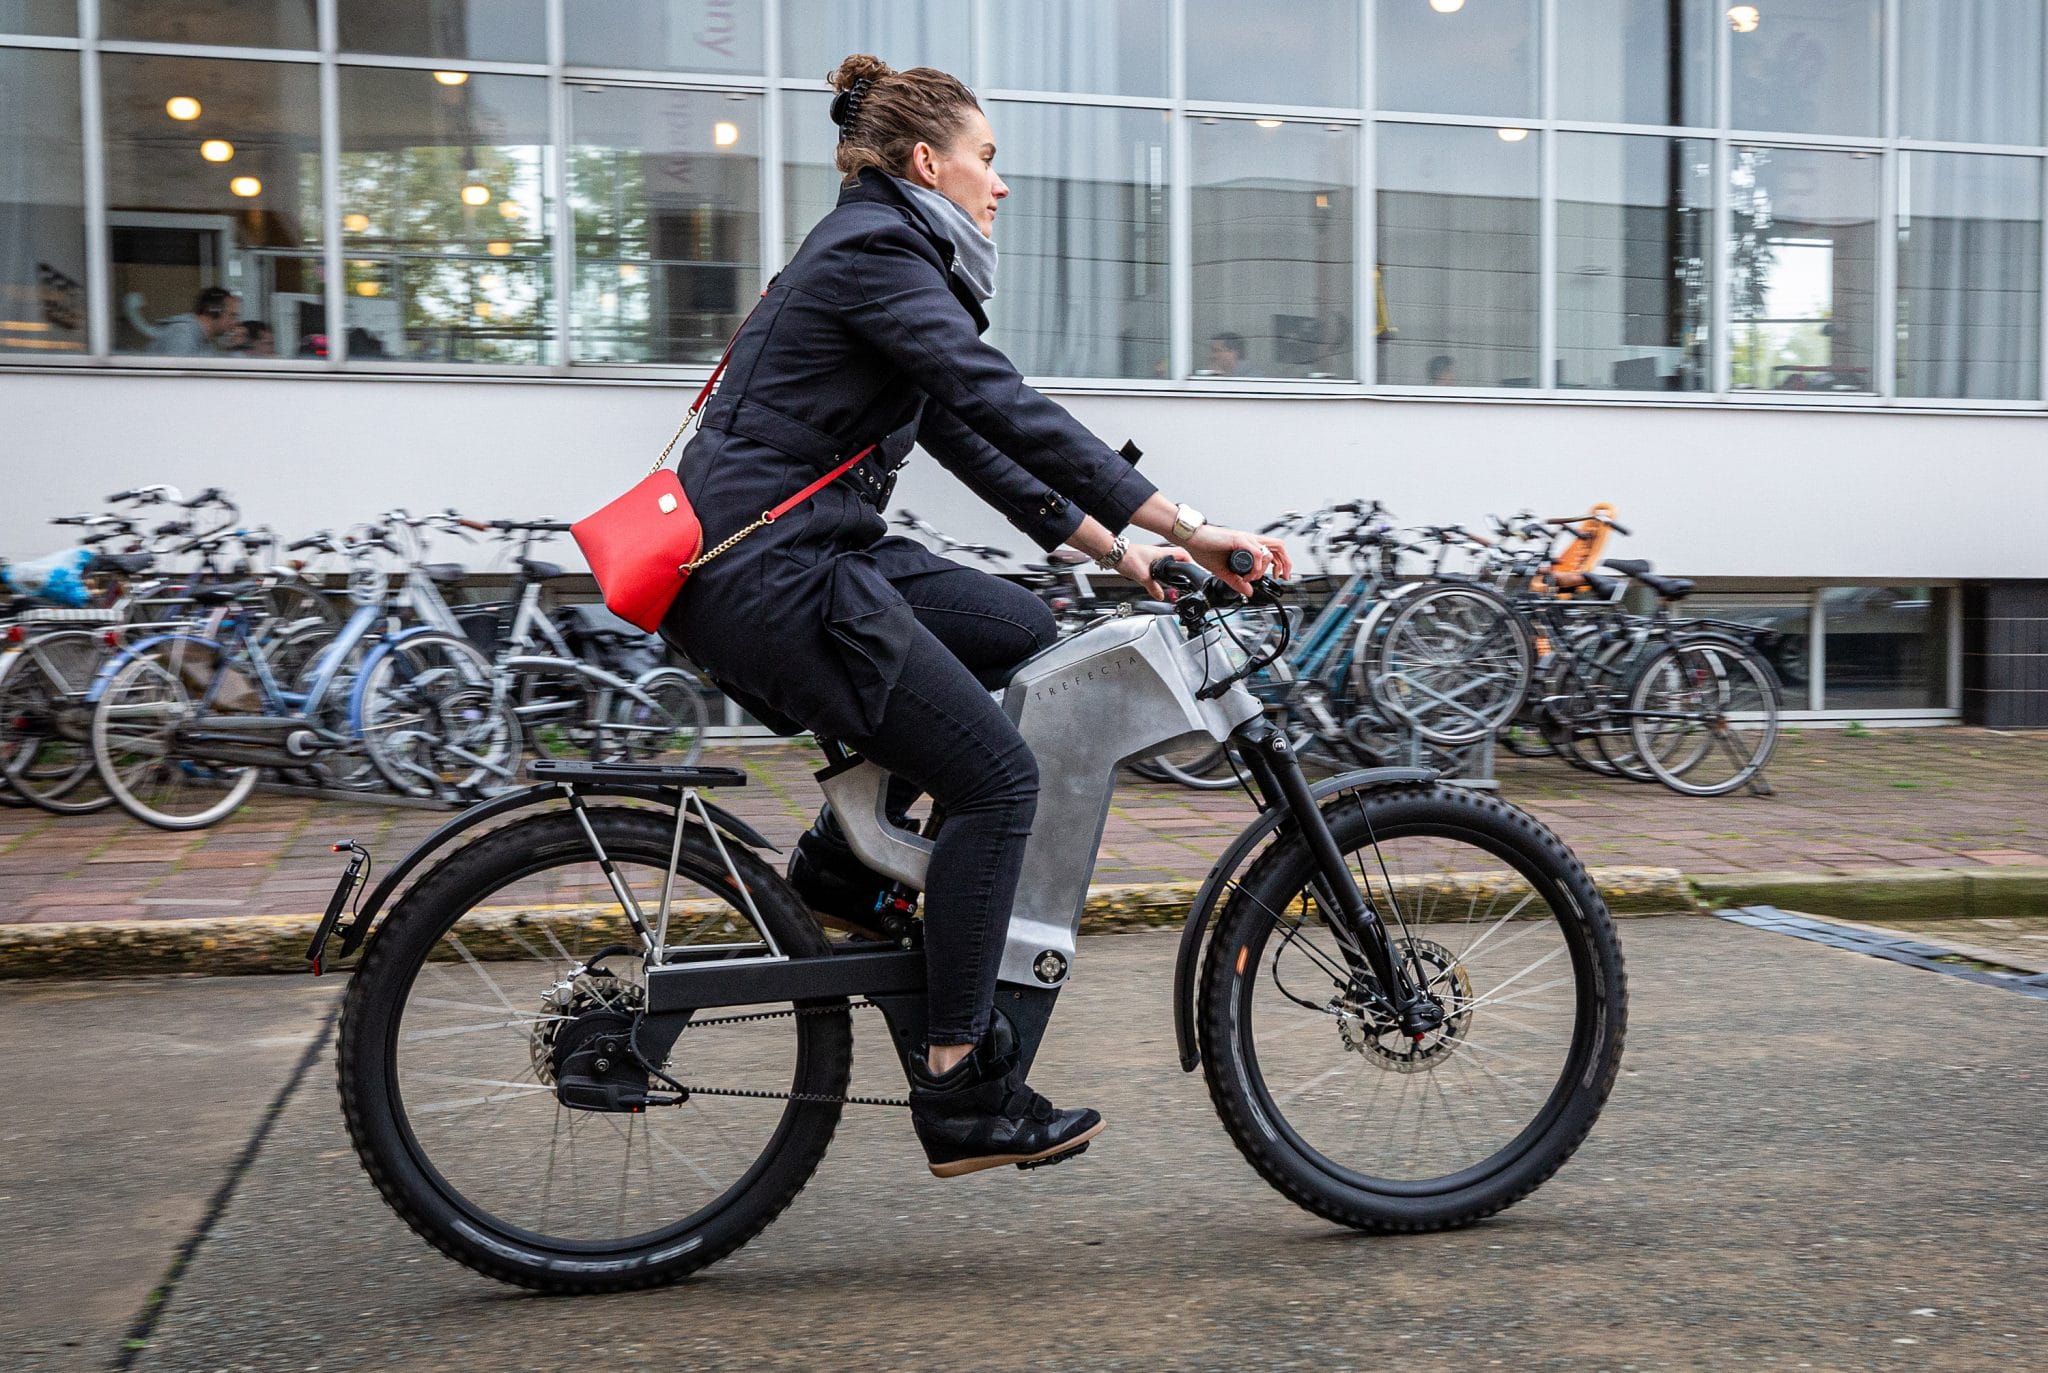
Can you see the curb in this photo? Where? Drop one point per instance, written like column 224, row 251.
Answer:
column 1875, row 895
column 277, row 943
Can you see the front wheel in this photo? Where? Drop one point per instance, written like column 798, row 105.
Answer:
column 136, row 747
column 1327, row 1097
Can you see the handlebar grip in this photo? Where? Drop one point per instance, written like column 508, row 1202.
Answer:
column 1242, row 562
column 1619, row 528
column 467, row 523
column 123, row 496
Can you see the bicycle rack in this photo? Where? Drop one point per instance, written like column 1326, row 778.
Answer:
column 1462, row 765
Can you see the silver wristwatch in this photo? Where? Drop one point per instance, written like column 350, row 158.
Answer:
column 1186, row 520
column 1111, row 560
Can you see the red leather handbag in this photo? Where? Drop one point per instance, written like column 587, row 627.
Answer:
column 643, row 546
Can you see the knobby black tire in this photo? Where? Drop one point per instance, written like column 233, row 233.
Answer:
column 369, row 1090
column 1582, row 1089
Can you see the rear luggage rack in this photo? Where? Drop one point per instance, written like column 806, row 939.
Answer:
column 634, row 774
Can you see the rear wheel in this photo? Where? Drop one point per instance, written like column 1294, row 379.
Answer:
column 668, row 726
column 432, row 721
column 1330, row 1101
column 1454, row 661
column 493, row 967
column 45, row 723
column 1703, row 715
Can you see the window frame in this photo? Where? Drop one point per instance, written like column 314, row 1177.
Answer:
column 770, row 85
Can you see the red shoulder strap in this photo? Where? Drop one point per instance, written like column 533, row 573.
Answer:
column 819, row 485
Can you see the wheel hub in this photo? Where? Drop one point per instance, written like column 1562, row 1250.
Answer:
column 586, row 1017
column 1376, row 1031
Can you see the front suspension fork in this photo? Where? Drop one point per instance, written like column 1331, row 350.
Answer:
column 1274, row 767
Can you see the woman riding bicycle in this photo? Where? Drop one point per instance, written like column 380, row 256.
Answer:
column 821, row 621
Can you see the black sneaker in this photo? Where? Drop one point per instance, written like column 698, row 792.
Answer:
column 834, row 882
column 980, row 1114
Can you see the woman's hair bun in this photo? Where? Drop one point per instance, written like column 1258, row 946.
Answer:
column 859, row 66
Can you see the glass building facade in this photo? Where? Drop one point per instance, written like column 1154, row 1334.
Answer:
column 1831, row 201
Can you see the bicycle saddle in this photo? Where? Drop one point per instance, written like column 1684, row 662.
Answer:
column 123, row 562
column 538, row 570
column 1669, row 588
column 221, row 593
column 445, row 574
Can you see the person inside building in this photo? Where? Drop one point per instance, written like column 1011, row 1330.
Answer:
column 820, row 621
column 1226, row 355
column 203, row 332
column 1443, row 370
column 257, row 340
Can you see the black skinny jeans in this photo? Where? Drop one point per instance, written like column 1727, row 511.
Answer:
column 944, row 734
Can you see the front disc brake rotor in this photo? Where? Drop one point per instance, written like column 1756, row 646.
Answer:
column 1377, row 1034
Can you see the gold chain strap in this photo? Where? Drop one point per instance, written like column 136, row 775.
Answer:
column 705, row 557
column 670, row 447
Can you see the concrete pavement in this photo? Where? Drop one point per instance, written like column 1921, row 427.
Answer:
column 1813, row 1159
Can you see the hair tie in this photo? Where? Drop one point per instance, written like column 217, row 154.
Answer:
column 846, row 105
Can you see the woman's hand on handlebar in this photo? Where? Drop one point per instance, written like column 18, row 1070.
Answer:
column 1213, row 544
column 1142, row 558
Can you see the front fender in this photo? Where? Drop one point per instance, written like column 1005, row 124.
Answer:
column 135, row 650
column 1269, row 821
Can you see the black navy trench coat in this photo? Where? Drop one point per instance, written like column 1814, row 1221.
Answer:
column 865, row 337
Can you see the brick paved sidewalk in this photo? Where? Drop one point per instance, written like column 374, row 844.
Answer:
column 1946, row 798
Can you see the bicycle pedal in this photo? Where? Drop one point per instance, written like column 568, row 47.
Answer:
column 1061, row 1157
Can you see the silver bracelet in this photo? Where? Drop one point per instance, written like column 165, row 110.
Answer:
column 1119, row 549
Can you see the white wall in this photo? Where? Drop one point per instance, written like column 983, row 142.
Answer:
column 1717, row 490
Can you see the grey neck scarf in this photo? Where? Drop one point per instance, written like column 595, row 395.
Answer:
column 974, row 253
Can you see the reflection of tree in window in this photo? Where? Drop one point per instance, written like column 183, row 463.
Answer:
column 1804, row 258
column 442, row 206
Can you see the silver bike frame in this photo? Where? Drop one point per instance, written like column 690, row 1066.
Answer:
column 1124, row 689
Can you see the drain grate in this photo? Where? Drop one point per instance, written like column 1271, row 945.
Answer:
column 1914, row 953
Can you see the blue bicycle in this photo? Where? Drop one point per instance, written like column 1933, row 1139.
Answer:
column 184, row 721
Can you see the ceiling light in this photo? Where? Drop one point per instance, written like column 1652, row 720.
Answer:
column 509, row 209
column 1447, row 6
column 1745, row 18
column 629, row 272
column 369, row 288
column 491, row 281
column 474, row 194
column 217, row 150
column 498, row 247
column 1267, row 123
column 357, row 223
column 482, row 309
column 451, row 78
column 182, row 107
column 725, row 133
column 1512, row 135
column 246, row 186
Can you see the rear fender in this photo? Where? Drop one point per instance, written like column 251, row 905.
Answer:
column 358, row 929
